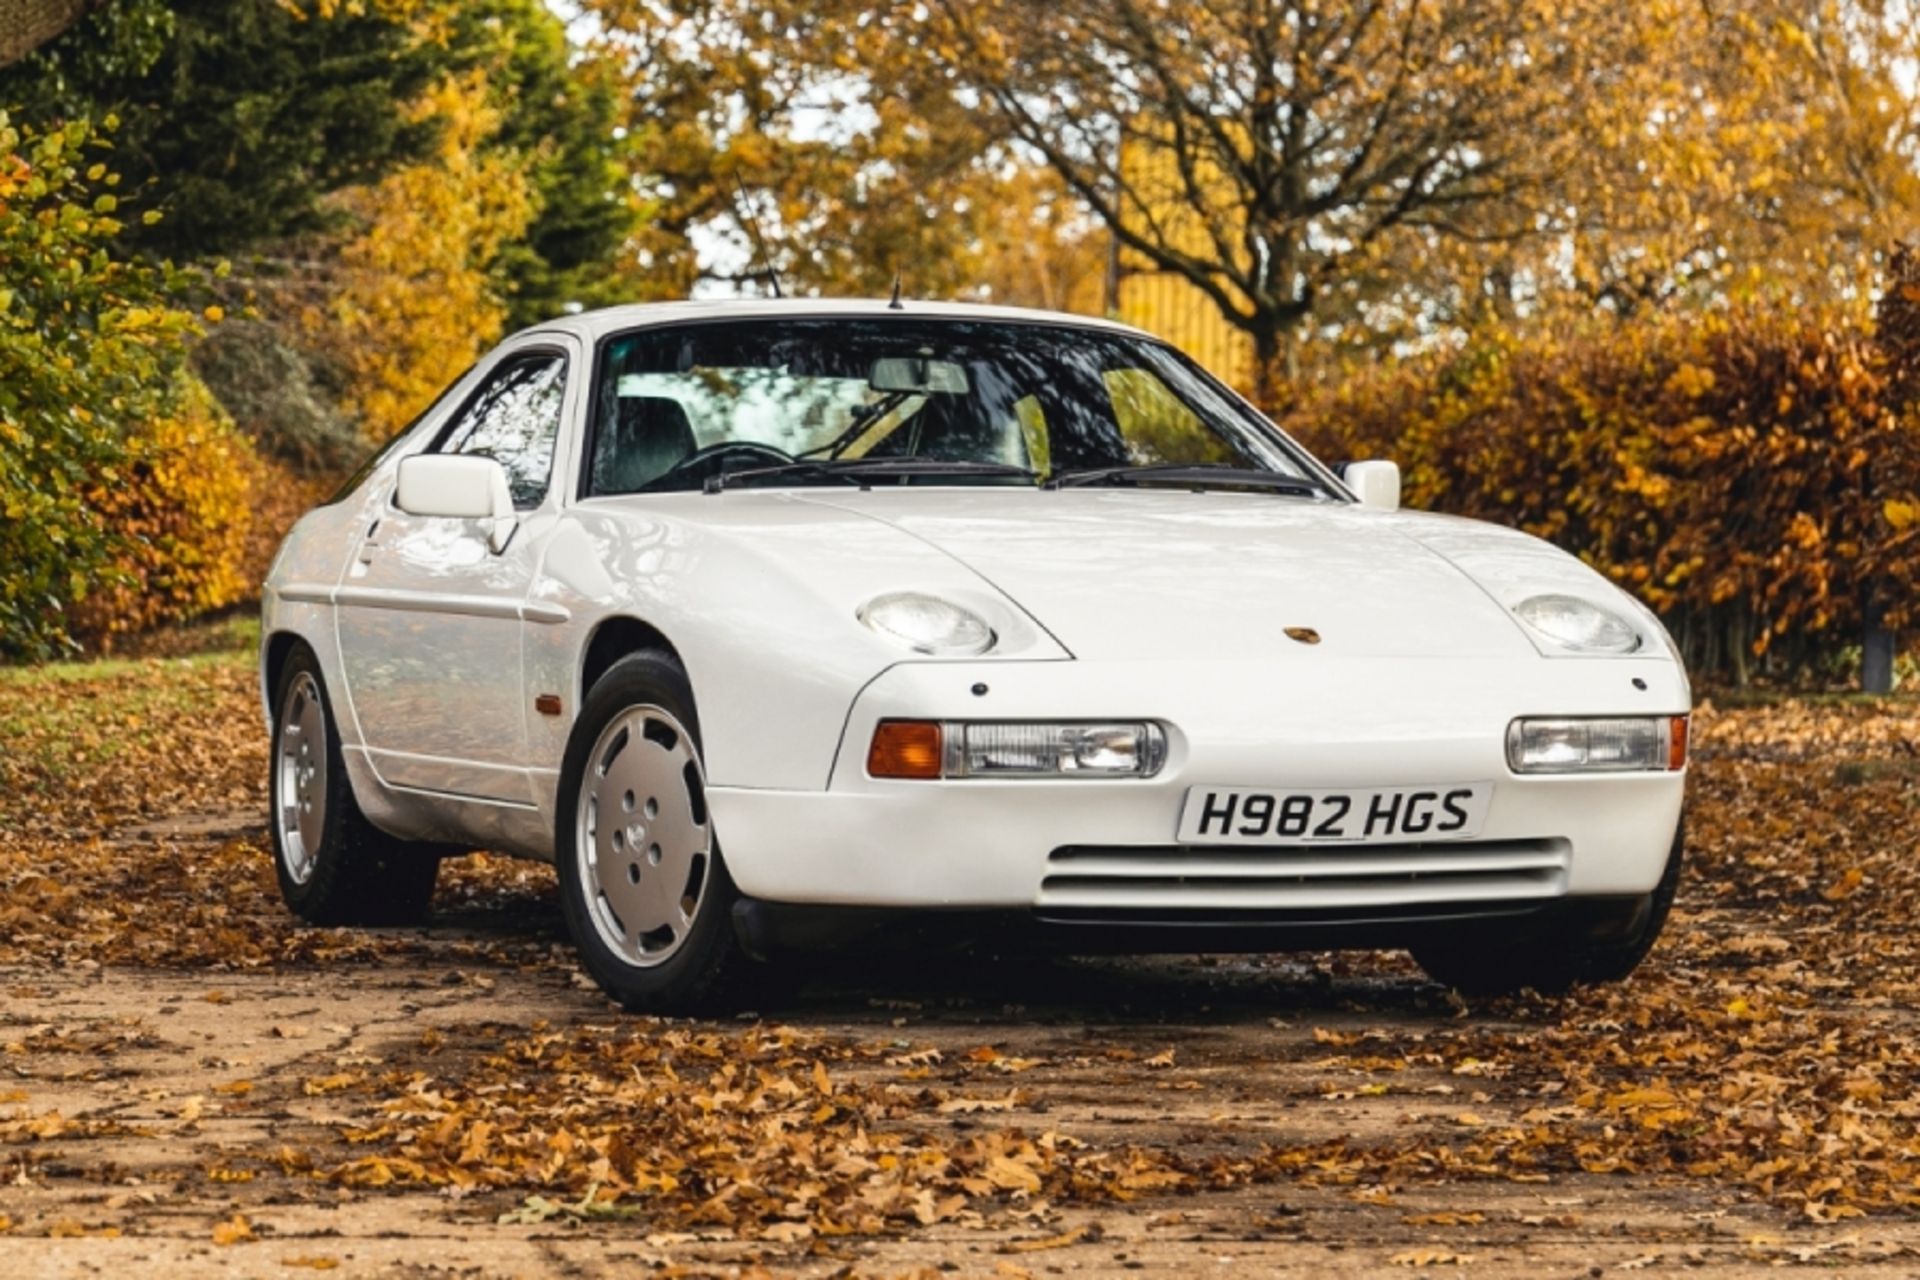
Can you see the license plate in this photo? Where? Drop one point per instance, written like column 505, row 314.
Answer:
column 1258, row 815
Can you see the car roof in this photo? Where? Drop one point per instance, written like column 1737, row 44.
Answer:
column 596, row 324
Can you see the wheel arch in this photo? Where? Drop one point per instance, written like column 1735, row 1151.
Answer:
column 613, row 639
column 274, row 652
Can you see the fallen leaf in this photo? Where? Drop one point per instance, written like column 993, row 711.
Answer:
column 1075, row 1236
column 1011, row 1176
column 786, row 1232
column 1430, row 1258
column 1845, row 887
column 966, row 1106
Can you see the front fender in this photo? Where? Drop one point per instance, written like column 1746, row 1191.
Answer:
column 1510, row 566
column 758, row 594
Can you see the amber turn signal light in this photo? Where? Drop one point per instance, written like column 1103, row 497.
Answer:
column 905, row 749
column 1677, row 743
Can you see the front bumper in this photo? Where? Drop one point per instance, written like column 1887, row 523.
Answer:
column 768, row 929
column 1091, row 851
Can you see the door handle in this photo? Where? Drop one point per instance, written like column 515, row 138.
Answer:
column 367, row 545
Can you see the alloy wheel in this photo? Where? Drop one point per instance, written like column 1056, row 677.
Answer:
column 300, row 776
column 644, row 839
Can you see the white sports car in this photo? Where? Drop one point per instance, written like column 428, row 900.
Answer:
column 766, row 621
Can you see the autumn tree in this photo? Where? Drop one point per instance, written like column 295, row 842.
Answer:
column 818, row 120
column 519, row 210
column 408, row 302
column 1273, row 152
column 1770, row 152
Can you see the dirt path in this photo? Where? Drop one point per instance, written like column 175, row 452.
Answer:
column 179, row 1071
column 189, row 1084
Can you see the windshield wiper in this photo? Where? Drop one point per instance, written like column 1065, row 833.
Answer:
column 1195, row 475
column 863, row 471
column 824, row 470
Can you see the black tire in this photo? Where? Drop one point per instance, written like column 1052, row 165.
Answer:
column 708, row 972
column 356, row 874
column 1483, row 963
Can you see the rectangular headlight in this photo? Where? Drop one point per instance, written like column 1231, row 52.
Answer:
column 1000, row 749
column 1598, row 744
column 1120, row 749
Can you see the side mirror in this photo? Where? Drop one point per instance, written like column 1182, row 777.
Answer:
column 1376, row 484
column 458, row 487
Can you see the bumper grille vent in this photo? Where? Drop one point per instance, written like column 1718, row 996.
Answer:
column 1326, row 881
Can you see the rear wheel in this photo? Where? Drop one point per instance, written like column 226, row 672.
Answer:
column 334, row 866
column 1554, row 960
column 643, row 885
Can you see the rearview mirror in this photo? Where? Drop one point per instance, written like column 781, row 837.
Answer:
column 1376, row 484
column 918, row 375
column 457, row 486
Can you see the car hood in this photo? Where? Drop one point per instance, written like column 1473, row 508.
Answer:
column 1133, row 574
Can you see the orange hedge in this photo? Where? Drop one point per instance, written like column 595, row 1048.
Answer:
column 183, row 510
column 1751, row 475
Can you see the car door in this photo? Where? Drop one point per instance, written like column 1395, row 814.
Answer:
column 430, row 614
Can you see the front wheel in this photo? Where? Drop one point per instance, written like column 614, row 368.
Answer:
column 334, row 866
column 1552, row 961
column 643, row 886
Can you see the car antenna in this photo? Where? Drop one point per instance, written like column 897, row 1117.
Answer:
column 893, row 303
column 752, row 220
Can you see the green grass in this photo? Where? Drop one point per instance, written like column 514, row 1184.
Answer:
column 58, row 719
column 106, row 670
column 223, row 642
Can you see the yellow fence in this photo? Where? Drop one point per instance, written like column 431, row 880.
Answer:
column 1160, row 301
column 1165, row 304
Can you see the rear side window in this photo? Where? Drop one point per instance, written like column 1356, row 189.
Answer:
column 514, row 418
column 1158, row 425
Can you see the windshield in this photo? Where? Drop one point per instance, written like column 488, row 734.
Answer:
column 676, row 406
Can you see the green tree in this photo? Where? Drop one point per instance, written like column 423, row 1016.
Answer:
column 242, row 115
column 559, row 113
column 238, row 114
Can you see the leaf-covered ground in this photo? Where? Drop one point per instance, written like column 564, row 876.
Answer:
column 189, row 1080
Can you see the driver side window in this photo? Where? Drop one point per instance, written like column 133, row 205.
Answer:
column 514, row 418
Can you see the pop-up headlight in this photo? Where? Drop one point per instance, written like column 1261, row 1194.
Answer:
column 1576, row 625
column 927, row 624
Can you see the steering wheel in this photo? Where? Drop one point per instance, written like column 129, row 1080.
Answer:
column 702, row 463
